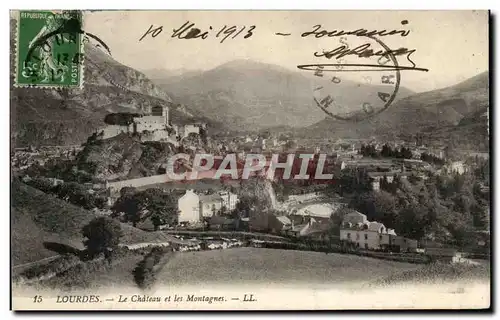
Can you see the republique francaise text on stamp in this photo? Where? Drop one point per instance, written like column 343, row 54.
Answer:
column 49, row 49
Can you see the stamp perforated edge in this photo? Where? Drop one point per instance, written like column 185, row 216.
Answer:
column 81, row 50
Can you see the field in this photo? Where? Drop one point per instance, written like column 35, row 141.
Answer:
column 251, row 266
column 440, row 272
column 272, row 269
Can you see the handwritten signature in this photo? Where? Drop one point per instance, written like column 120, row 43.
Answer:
column 365, row 51
column 358, row 32
column 189, row 31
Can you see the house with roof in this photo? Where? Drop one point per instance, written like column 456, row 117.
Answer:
column 279, row 224
column 373, row 235
column 318, row 230
column 229, row 200
column 365, row 234
column 222, row 223
column 401, row 244
column 319, row 211
column 354, row 217
column 189, row 208
column 458, row 167
column 312, row 229
column 376, row 177
column 295, row 230
column 210, row 204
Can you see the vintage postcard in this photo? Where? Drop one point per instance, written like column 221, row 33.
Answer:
column 250, row 160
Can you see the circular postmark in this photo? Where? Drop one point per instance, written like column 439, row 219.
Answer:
column 360, row 79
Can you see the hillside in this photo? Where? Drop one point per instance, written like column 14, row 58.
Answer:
column 252, row 95
column 453, row 113
column 69, row 116
column 165, row 77
column 37, row 217
column 438, row 108
column 124, row 157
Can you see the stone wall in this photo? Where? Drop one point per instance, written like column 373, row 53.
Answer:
column 111, row 131
column 139, row 182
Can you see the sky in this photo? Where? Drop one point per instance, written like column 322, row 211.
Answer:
column 452, row 45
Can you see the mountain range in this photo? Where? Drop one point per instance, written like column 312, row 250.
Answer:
column 251, row 95
column 240, row 95
column 457, row 113
column 248, row 95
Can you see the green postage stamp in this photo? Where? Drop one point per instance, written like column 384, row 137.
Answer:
column 49, row 49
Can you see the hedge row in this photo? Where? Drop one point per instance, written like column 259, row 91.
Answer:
column 144, row 272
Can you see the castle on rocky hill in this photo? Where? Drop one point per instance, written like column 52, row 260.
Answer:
column 156, row 126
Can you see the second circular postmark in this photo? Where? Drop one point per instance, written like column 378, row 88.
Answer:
column 357, row 80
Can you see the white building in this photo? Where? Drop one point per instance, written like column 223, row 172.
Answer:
column 190, row 128
column 376, row 177
column 365, row 234
column 189, row 207
column 457, row 167
column 229, row 200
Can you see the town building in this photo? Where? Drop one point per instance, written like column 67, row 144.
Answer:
column 364, row 234
column 279, row 224
column 222, row 223
column 229, row 200
column 189, row 208
column 457, row 167
column 312, row 229
column 319, row 211
column 194, row 208
column 373, row 235
column 401, row 244
column 210, row 205
column 376, row 177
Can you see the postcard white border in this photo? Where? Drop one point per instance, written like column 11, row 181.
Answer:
column 200, row 4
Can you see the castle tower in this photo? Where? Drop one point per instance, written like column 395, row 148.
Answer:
column 161, row 111
column 158, row 111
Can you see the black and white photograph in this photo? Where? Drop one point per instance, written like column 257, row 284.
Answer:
column 250, row 160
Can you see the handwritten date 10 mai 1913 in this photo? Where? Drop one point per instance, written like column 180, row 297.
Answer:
column 189, row 31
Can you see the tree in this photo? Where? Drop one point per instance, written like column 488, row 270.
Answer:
column 130, row 206
column 413, row 179
column 154, row 203
column 245, row 206
column 223, row 211
column 386, row 151
column 103, row 236
column 161, row 206
column 290, row 144
column 386, row 210
column 336, row 220
column 406, row 153
column 384, row 184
